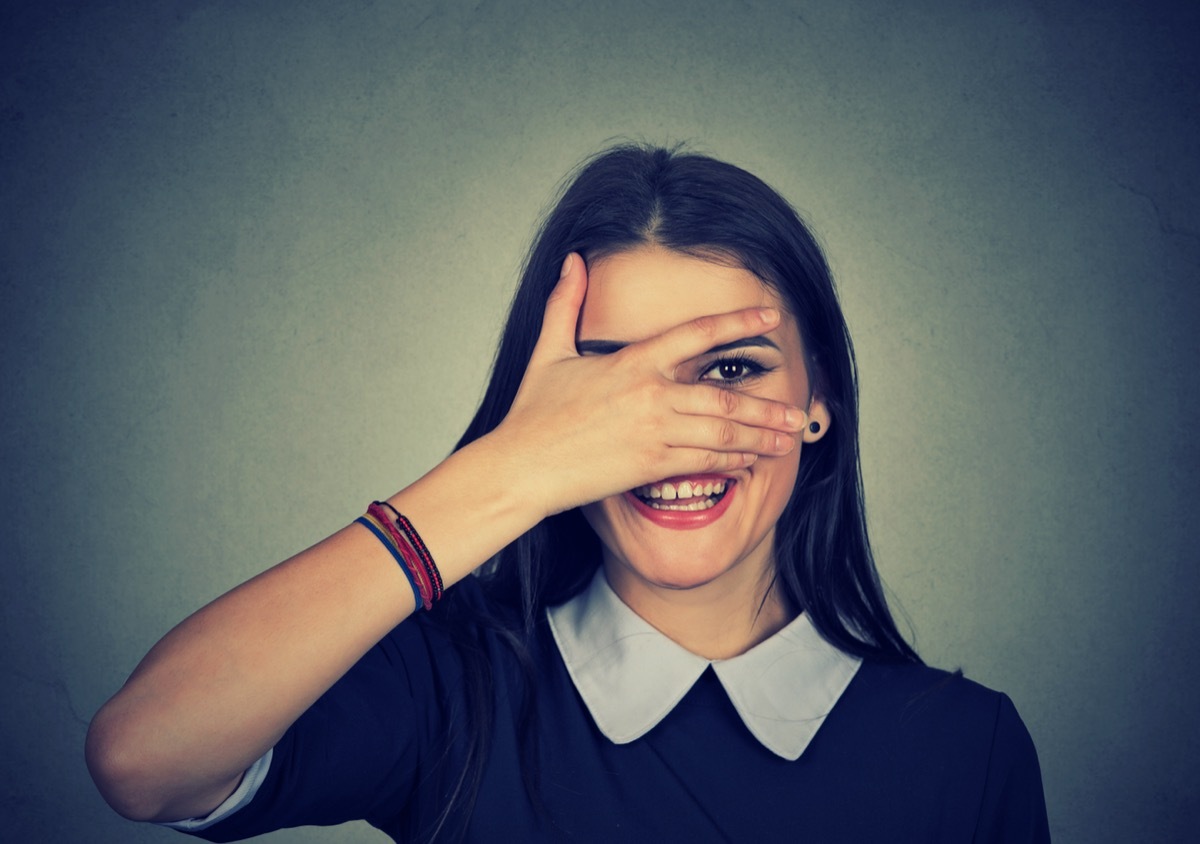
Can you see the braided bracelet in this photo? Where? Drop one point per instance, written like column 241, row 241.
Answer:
column 417, row 544
column 405, row 545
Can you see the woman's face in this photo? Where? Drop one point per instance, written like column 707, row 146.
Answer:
column 649, row 540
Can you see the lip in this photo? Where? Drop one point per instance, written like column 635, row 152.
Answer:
column 684, row 519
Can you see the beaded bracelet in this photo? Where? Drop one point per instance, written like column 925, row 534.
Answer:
column 417, row 544
column 405, row 545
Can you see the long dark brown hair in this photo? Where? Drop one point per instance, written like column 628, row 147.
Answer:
column 625, row 197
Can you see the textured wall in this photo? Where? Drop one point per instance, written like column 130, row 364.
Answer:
column 255, row 255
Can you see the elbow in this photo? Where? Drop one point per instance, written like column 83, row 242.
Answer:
column 120, row 767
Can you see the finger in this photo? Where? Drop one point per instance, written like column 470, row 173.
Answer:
column 712, row 434
column 686, row 461
column 557, row 338
column 708, row 400
column 700, row 335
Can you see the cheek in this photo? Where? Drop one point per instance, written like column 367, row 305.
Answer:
column 799, row 388
column 780, row 477
column 613, row 523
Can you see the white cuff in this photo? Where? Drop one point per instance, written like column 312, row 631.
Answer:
column 243, row 794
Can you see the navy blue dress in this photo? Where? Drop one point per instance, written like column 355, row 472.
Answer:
column 908, row 753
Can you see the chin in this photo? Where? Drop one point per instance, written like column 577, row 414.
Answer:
column 668, row 571
column 679, row 550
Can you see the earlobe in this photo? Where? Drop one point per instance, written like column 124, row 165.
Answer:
column 818, row 420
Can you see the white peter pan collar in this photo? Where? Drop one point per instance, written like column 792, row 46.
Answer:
column 631, row 676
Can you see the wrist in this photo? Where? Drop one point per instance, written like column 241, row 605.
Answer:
column 526, row 486
column 471, row 505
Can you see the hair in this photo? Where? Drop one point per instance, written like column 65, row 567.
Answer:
column 622, row 198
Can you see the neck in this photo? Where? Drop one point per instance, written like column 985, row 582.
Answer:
column 715, row 620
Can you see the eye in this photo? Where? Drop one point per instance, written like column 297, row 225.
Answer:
column 732, row 371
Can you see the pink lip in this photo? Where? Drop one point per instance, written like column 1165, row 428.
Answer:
column 684, row 519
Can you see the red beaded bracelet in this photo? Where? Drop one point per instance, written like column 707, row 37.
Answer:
column 418, row 545
column 405, row 545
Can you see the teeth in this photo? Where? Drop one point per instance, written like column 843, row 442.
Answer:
column 702, row 504
column 681, row 491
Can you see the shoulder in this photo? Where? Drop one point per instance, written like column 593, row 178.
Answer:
column 913, row 692
column 930, row 707
column 917, row 732
column 930, row 724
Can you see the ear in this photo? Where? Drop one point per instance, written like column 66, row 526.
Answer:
column 818, row 415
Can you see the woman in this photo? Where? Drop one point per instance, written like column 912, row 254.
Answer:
column 677, row 631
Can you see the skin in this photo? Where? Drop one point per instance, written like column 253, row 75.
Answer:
column 708, row 588
column 221, row 687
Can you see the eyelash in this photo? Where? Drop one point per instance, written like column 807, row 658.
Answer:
column 751, row 368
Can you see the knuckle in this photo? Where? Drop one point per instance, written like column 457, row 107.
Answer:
column 729, row 401
column 655, row 427
column 653, row 394
column 727, row 433
column 706, row 326
column 712, row 461
column 646, row 463
column 633, row 356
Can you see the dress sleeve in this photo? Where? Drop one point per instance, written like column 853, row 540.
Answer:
column 1013, row 810
column 352, row 755
column 243, row 794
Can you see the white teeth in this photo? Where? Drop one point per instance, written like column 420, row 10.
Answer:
column 702, row 504
column 681, row 491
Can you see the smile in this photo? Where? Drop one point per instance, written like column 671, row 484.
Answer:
column 683, row 504
column 684, row 496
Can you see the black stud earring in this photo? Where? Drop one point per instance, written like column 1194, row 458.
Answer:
column 814, row 427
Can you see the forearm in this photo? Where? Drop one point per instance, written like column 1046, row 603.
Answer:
column 224, row 685
column 476, row 502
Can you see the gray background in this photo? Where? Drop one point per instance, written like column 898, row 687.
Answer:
column 255, row 258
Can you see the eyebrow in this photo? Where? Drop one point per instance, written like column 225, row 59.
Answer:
column 607, row 347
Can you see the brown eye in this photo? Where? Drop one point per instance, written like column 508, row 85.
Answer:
column 732, row 371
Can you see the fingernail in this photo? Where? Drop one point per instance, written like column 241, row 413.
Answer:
column 784, row 443
column 794, row 417
column 566, row 265
column 768, row 315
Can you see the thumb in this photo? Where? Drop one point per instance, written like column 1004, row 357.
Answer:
column 557, row 339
